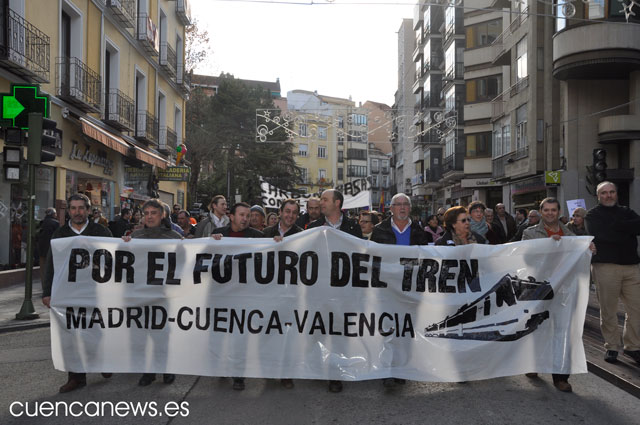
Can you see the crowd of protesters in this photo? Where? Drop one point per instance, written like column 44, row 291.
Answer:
column 615, row 262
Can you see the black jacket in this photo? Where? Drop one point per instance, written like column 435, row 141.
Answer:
column 47, row 227
column 303, row 221
column 249, row 232
column 447, row 239
column 119, row 227
column 271, row 232
column 93, row 229
column 615, row 230
column 512, row 228
column 383, row 233
column 348, row 226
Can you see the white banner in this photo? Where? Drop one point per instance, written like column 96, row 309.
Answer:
column 356, row 194
column 320, row 305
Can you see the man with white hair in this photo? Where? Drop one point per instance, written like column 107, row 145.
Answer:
column 399, row 229
column 616, row 271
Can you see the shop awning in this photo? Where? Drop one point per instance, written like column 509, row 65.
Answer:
column 108, row 139
column 118, row 144
column 150, row 158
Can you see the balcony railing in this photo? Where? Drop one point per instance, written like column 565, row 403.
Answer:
column 120, row 111
column 167, row 140
column 148, row 34
column 497, row 107
column 25, row 50
column 522, row 152
column 522, row 84
column 147, row 128
column 183, row 11
column 168, row 58
column 183, row 79
column 77, row 84
column 124, row 11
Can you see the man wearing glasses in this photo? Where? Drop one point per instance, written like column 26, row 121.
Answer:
column 399, row 230
column 367, row 221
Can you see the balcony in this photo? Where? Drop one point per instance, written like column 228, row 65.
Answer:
column 417, row 179
column 618, row 128
column 147, row 128
column 522, row 152
column 25, row 51
column 78, row 85
column 168, row 58
column 519, row 86
column 147, row 34
column 183, row 79
column 167, row 140
column 498, row 165
column 497, row 107
column 124, row 11
column 183, row 11
column 612, row 51
column 119, row 111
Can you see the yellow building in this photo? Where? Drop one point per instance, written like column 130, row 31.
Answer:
column 114, row 72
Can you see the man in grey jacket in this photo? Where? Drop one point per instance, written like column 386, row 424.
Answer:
column 216, row 218
column 550, row 227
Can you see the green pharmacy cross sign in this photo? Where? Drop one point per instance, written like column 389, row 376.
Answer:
column 15, row 106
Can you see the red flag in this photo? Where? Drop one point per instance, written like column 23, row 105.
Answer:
column 382, row 201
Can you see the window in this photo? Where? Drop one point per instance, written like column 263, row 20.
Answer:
column 374, row 180
column 340, row 137
column 322, row 133
column 385, row 165
column 450, row 60
column 357, row 171
column 358, row 119
column 302, row 130
column 340, row 122
column 450, row 20
column 450, row 96
column 374, row 166
column 304, row 175
column 521, row 60
column 521, row 127
column 506, row 139
column 322, row 174
column 302, row 150
column 450, row 145
column 340, row 156
column 385, row 181
column 340, row 173
column 479, row 145
column 427, row 19
column 483, row 89
column 497, row 140
column 483, row 34
column 322, row 151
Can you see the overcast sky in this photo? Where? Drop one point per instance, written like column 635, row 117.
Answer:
column 340, row 48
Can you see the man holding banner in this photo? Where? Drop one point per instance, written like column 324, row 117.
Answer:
column 287, row 225
column 79, row 225
column 332, row 215
column 216, row 218
column 238, row 227
column 550, row 227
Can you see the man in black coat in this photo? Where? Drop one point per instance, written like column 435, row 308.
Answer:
column 504, row 224
column 615, row 271
column 312, row 214
column 388, row 231
column 48, row 225
column 121, row 224
column 79, row 225
column 238, row 227
column 287, row 225
column 331, row 209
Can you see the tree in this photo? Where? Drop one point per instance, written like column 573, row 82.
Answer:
column 196, row 46
column 239, row 159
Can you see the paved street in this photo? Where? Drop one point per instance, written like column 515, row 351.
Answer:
column 27, row 375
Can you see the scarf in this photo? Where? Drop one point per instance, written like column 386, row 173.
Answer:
column 480, row 227
column 458, row 241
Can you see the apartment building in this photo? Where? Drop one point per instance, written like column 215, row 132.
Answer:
column 403, row 128
column 114, row 74
column 599, row 98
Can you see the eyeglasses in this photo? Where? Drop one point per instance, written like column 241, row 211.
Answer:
column 404, row 204
column 440, row 215
column 464, row 220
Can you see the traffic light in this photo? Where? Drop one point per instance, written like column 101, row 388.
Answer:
column 12, row 154
column 597, row 172
column 41, row 136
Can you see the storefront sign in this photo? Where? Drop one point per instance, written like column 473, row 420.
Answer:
column 534, row 184
column 552, row 178
column 100, row 159
column 176, row 174
column 478, row 182
column 135, row 174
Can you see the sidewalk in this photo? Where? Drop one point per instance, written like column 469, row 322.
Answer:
column 11, row 298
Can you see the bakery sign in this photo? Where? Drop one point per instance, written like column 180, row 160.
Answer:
column 100, row 159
